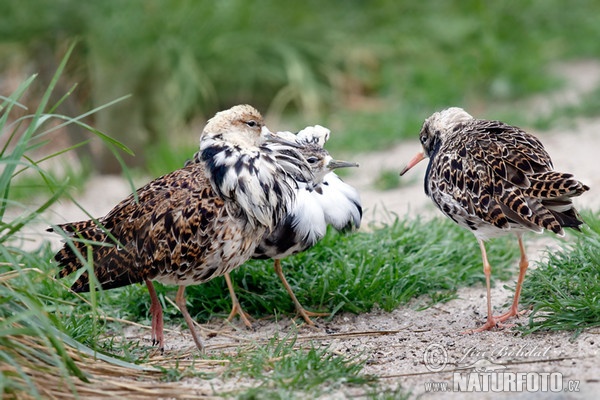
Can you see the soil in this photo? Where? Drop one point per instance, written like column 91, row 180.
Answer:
column 395, row 344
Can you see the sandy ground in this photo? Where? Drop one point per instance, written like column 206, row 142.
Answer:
column 397, row 344
column 401, row 349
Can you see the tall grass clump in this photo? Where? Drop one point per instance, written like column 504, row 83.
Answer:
column 564, row 289
column 37, row 357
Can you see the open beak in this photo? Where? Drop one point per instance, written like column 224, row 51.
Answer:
column 333, row 164
column 420, row 156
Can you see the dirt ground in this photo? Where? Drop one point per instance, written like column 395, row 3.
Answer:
column 397, row 344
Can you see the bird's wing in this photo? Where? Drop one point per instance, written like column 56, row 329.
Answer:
column 526, row 187
column 512, row 154
column 487, row 173
column 166, row 231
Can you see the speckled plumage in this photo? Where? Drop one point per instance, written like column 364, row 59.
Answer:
column 197, row 222
column 493, row 178
column 177, row 225
column 324, row 200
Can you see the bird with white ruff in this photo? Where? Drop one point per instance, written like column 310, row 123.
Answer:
column 195, row 223
column 325, row 200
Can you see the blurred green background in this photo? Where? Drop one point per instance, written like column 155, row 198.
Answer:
column 370, row 70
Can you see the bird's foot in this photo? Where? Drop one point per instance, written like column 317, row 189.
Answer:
column 497, row 321
column 159, row 343
column 305, row 314
column 236, row 309
column 491, row 323
column 510, row 313
column 488, row 327
column 157, row 337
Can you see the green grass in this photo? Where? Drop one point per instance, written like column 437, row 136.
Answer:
column 284, row 369
column 31, row 343
column 372, row 71
column 564, row 289
column 387, row 267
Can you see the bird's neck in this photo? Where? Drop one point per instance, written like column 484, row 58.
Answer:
column 432, row 155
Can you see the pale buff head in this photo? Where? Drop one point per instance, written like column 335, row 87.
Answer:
column 437, row 127
column 242, row 125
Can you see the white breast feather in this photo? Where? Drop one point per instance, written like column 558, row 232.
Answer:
column 308, row 217
column 338, row 202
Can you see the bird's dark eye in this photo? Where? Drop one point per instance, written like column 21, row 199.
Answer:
column 423, row 139
column 251, row 123
column 312, row 160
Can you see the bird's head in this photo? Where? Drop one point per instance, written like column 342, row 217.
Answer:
column 320, row 161
column 241, row 125
column 435, row 131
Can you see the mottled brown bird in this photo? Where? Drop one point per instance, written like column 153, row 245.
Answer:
column 493, row 178
column 195, row 223
column 325, row 200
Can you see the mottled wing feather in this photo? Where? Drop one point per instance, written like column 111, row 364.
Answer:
column 175, row 237
column 499, row 174
column 166, row 232
column 82, row 235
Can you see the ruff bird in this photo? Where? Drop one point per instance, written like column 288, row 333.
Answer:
column 493, row 178
column 325, row 200
column 195, row 223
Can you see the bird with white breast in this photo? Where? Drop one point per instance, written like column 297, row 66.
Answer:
column 322, row 201
column 195, row 223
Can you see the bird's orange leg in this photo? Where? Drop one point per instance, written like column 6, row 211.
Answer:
column 156, row 315
column 236, row 308
column 299, row 309
column 487, row 270
column 523, row 264
column 180, row 301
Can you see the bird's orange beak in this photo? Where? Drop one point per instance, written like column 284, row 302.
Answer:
column 415, row 160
